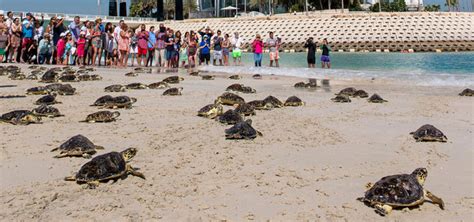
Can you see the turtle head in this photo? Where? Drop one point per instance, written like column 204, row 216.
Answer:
column 31, row 118
column 129, row 153
column 420, row 174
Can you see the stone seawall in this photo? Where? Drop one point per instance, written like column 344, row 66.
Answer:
column 408, row 31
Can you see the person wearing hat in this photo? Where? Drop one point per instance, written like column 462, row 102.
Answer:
column 61, row 47
column 45, row 49
column 205, row 51
column 311, row 58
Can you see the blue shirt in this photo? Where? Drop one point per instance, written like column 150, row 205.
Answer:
column 151, row 39
column 75, row 30
column 204, row 50
column 27, row 32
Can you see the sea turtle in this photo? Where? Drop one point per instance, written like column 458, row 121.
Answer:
column 32, row 77
column 244, row 109
column 300, row 85
column 276, row 103
column 142, row 70
column 77, row 145
column 33, row 67
column 61, row 89
column 131, row 74
column 260, row 105
column 82, row 71
column 102, row 116
column 194, row 73
column 398, row 191
column 248, row 89
column 293, row 101
column 102, row 101
column 20, row 117
column 39, row 90
column 467, row 92
column 211, row 111
column 257, row 76
column 17, row 76
column 360, row 93
column 230, row 117
column 342, row 98
column 173, row 92
column 136, row 86
column 242, row 130
column 207, row 77
column 159, row 85
column 115, row 88
column 87, row 77
column 109, row 166
column 429, row 133
column 349, row 91
column 121, row 102
column 376, row 99
column 230, row 99
column 68, row 78
column 50, row 76
column 68, row 72
column 235, row 87
column 47, row 111
column 173, row 79
column 47, row 100
column 235, row 77
column 37, row 72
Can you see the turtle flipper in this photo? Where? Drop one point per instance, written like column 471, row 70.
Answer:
column 70, row 178
column 93, row 184
column 369, row 185
column 54, row 149
column 435, row 199
column 134, row 172
column 383, row 209
column 86, row 155
column 61, row 155
column 99, row 148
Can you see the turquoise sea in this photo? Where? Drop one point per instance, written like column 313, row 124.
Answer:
column 456, row 68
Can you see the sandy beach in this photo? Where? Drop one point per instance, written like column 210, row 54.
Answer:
column 311, row 163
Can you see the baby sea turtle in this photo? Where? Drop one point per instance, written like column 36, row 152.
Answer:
column 260, row 105
column 242, row 130
column 68, row 78
column 87, row 77
column 257, row 76
column 244, row 109
column 230, row 99
column 77, row 145
column 235, row 87
column 39, row 90
column 276, row 103
column 47, row 111
column 20, row 117
column 429, row 133
column 159, row 85
column 230, row 117
column 361, row 94
column 211, row 111
column 194, row 73
column 347, row 91
column 50, row 76
column 47, row 100
column 32, row 77
column 142, row 70
column 341, row 98
column 207, row 77
column 173, row 92
column 61, row 89
column 109, row 166
column 235, row 77
column 102, row 101
column 136, row 86
column 398, row 191
column 293, row 101
column 115, row 88
column 300, row 85
column 467, row 92
column 131, row 74
column 376, row 99
column 173, row 79
column 33, row 67
column 121, row 102
column 17, row 76
column 102, row 117
column 248, row 89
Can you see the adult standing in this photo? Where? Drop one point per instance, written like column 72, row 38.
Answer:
column 58, row 28
column 142, row 36
column 75, row 28
column 151, row 46
column 226, row 49
column 325, row 60
column 272, row 44
column 124, row 45
column 39, row 31
column 257, row 46
column 204, row 50
column 15, row 40
column 28, row 32
column 207, row 32
column 96, row 42
column 169, row 44
column 217, row 44
column 311, row 58
column 8, row 23
column 160, row 46
column 236, row 52
column 3, row 36
column 133, row 45
column 192, row 49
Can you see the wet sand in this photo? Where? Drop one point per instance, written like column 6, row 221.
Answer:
column 311, row 163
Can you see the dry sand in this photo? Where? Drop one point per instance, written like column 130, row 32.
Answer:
column 312, row 162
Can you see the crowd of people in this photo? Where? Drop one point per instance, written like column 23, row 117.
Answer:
column 29, row 40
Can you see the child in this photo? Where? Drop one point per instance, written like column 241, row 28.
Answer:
column 133, row 45
column 183, row 57
column 61, row 48
column 81, row 45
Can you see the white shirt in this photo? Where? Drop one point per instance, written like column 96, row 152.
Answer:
column 39, row 32
column 9, row 23
column 236, row 42
column 117, row 31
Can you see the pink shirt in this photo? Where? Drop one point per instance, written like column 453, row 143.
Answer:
column 81, row 44
column 61, row 46
column 257, row 46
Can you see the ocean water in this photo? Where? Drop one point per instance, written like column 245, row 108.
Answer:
column 449, row 69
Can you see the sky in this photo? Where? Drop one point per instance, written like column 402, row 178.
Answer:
column 90, row 6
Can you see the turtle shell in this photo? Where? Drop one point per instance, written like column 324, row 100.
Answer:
column 39, row 90
column 361, row 94
column 234, row 87
column 173, row 92
column 158, row 85
column 121, row 102
column 14, row 115
column 342, row 98
column 173, row 79
column 230, row 117
column 230, row 99
column 396, row 190
column 293, row 101
column 115, row 88
column 234, row 77
column 136, row 86
column 245, row 109
column 349, row 91
column 103, row 167
column 45, row 110
column 102, row 101
column 467, row 92
column 47, row 100
column 50, row 76
column 102, row 116
column 242, row 130
column 276, row 103
column 260, row 105
column 376, row 99
column 429, row 133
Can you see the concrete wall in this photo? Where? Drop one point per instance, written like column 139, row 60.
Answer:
column 417, row 31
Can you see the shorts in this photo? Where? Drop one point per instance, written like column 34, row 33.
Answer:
column 26, row 42
column 191, row 51
column 205, row 57
column 169, row 55
column 96, row 42
column 225, row 52
column 142, row 51
column 274, row 56
column 325, row 58
column 2, row 51
column 236, row 53
column 133, row 49
column 312, row 60
column 217, row 54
